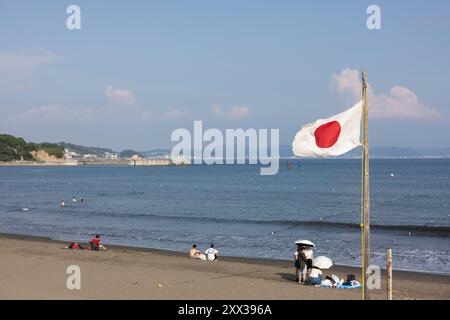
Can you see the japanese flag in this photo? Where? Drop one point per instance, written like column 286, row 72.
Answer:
column 330, row 137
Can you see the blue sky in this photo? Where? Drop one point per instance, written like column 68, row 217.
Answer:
column 138, row 70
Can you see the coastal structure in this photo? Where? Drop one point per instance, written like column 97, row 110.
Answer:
column 95, row 162
column 126, row 162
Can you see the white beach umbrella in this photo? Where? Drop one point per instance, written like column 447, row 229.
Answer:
column 305, row 243
column 322, row 262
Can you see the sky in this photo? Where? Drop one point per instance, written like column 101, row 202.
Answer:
column 137, row 70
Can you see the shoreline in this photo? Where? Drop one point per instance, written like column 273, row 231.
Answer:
column 35, row 268
column 251, row 260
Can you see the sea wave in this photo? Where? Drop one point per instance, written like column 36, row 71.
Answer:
column 438, row 230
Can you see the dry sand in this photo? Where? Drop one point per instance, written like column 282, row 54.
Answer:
column 35, row 268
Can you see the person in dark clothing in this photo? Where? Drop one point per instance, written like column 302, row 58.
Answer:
column 300, row 264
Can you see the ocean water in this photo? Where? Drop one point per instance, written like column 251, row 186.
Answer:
column 241, row 212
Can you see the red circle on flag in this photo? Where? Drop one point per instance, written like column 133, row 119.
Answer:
column 327, row 134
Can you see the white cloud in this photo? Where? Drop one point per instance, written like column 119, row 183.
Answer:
column 238, row 113
column 54, row 112
column 18, row 68
column 347, row 82
column 120, row 96
column 122, row 105
column 401, row 102
column 217, row 111
column 176, row 113
column 234, row 113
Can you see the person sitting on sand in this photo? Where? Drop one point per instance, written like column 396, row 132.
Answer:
column 95, row 243
column 300, row 264
column 212, row 254
column 194, row 253
column 314, row 276
column 75, row 245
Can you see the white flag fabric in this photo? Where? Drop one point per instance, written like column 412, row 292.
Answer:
column 330, row 137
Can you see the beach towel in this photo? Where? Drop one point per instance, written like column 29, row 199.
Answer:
column 352, row 285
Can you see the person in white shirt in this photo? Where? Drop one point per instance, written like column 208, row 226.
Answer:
column 212, row 254
column 315, row 276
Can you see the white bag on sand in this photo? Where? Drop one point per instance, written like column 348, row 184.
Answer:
column 335, row 278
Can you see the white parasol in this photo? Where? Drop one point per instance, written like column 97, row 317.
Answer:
column 305, row 243
column 322, row 262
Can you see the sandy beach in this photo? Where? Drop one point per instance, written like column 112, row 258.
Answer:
column 35, row 268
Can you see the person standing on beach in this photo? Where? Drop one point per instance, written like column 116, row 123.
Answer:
column 309, row 255
column 212, row 254
column 300, row 264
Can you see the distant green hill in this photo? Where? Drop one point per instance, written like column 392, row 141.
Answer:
column 15, row 148
column 129, row 153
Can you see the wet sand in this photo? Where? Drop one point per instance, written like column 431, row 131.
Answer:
column 35, row 268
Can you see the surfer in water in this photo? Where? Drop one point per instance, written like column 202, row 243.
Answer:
column 289, row 165
column 62, row 204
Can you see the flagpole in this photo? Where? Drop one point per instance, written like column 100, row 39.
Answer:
column 365, row 196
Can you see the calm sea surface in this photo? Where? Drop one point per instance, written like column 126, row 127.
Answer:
column 241, row 212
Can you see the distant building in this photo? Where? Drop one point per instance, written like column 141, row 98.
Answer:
column 70, row 154
column 181, row 161
column 90, row 156
column 135, row 157
column 110, row 155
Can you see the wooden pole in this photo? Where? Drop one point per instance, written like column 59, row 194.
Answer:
column 365, row 192
column 389, row 273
